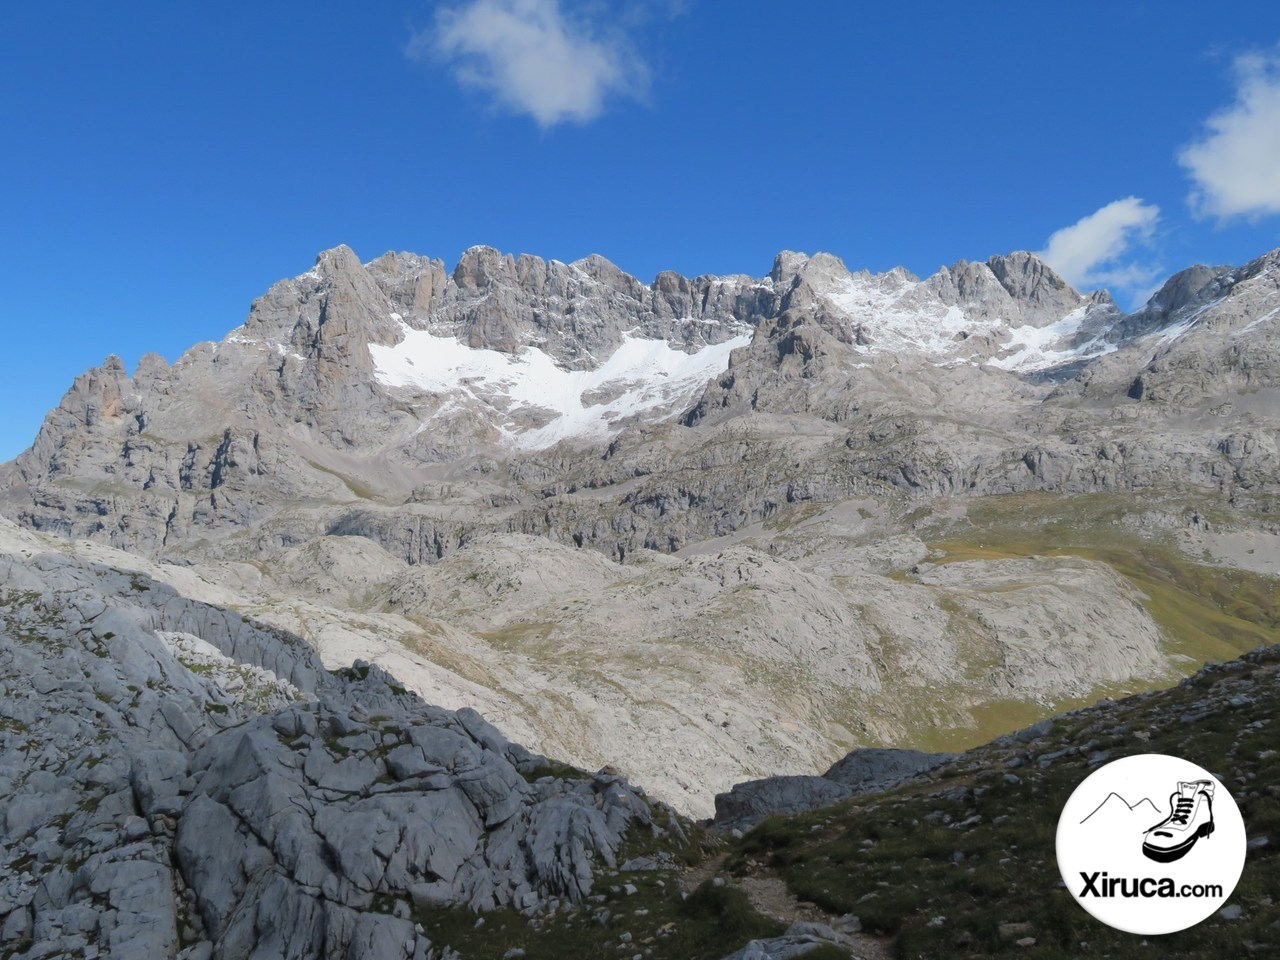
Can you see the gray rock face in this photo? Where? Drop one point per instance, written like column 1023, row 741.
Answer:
column 1219, row 338
column 751, row 801
column 875, row 769
column 165, row 792
column 862, row 771
column 319, row 828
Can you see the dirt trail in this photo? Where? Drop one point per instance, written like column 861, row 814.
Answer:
column 770, row 897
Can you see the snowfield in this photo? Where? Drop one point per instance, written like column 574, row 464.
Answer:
column 642, row 376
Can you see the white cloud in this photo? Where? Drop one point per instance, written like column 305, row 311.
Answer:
column 1236, row 164
column 533, row 57
column 1098, row 250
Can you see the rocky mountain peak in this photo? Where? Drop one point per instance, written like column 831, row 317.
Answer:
column 1267, row 264
column 481, row 267
column 964, row 282
column 602, row 269
column 410, row 282
column 1187, row 290
column 1193, row 285
column 151, row 367
column 337, row 261
column 1028, row 278
column 401, row 362
column 786, row 265
column 98, row 393
column 332, row 311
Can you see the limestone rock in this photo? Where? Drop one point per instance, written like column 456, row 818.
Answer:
column 861, row 771
column 161, row 784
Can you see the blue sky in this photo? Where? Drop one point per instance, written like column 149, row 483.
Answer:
column 162, row 163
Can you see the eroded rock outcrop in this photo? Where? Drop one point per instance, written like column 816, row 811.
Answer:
column 176, row 781
column 862, row 771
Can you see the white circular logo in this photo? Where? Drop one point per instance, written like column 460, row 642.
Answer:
column 1151, row 844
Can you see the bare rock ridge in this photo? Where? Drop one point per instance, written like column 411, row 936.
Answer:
column 316, row 397
column 863, row 771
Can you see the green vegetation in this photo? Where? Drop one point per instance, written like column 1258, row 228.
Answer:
column 532, row 638
column 637, row 911
column 356, row 488
column 1206, row 612
column 899, row 861
column 1210, row 612
column 655, row 920
column 22, row 863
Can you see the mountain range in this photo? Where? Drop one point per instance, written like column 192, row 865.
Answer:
column 709, row 528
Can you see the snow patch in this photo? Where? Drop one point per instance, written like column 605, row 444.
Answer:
column 1175, row 330
column 1262, row 319
column 901, row 315
column 896, row 321
column 1033, row 348
column 237, row 336
column 642, row 376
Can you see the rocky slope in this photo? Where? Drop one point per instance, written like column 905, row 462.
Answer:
column 770, row 518
column 691, row 673
column 177, row 781
column 959, row 858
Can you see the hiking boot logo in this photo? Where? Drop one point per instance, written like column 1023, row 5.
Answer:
column 1127, row 858
column 1190, row 818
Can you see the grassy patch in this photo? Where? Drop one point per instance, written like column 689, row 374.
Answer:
column 356, row 488
column 1209, row 613
column 654, row 921
column 532, row 638
column 1204, row 612
column 21, row 864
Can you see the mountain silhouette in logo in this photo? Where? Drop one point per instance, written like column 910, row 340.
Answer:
column 1116, row 808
